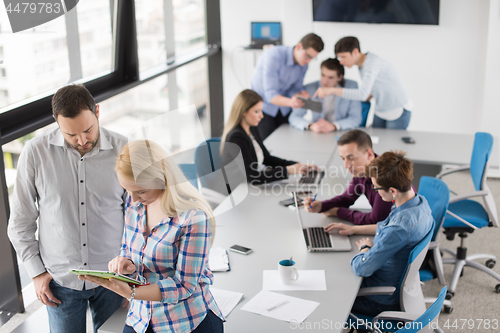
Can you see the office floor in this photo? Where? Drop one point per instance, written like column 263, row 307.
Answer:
column 475, row 299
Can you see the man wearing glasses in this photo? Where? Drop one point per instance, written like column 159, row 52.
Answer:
column 278, row 79
column 355, row 149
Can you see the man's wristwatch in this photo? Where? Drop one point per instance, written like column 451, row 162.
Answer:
column 365, row 247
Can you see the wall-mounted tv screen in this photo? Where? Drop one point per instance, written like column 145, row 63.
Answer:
column 377, row 11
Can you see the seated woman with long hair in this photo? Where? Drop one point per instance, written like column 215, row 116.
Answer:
column 241, row 129
column 168, row 232
column 383, row 261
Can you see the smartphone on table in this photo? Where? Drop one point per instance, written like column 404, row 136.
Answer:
column 240, row 249
column 408, row 139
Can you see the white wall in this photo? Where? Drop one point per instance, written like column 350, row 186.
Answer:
column 451, row 70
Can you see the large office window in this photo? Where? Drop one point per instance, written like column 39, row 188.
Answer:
column 11, row 152
column 128, row 111
column 139, row 59
column 189, row 25
column 167, row 29
column 72, row 47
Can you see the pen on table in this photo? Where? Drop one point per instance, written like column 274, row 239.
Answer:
column 314, row 199
column 277, row 305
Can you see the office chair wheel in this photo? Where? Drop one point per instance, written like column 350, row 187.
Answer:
column 449, row 295
column 497, row 288
column 490, row 263
column 448, row 309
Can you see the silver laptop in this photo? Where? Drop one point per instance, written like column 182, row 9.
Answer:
column 317, row 240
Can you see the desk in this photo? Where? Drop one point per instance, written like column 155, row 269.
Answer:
column 320, row 159
column 430, row 152
column 289, row 138
column 430, row 148
column 273, row 232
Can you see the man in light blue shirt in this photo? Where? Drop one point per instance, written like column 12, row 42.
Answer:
column 278, row 80
column 338, row 113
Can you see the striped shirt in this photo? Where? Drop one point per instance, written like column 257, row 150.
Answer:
column 174, row 256
column 382, row 81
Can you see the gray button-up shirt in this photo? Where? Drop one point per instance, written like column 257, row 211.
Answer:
column 78, row 202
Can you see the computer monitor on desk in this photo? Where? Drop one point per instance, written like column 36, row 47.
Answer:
column 265, row 33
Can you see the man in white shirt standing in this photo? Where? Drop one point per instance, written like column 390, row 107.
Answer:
column 66, row 181
column 380, row 80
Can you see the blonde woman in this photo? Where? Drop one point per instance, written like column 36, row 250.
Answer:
column 241, row 129
column 168, row 232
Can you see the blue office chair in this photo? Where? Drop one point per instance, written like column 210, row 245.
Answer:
column 189, row 170
column 464, row 215
column 208, row 161
column 437, row 194
column 411, row 297
column 365, row 109
column 427, row 322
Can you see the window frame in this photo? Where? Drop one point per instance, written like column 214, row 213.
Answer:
column 29, row 115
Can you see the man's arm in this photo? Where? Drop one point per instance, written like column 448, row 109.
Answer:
column 24, row 213
column 352, row 111
column 22, row 227
column 271, row 82
column 293, row 102
column 297, row 120
column 380, row 211
column 370, row 73
column 345, row 199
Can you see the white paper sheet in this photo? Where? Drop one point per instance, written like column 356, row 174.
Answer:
column 226, row 300
column 308, row 280
column 295, row 309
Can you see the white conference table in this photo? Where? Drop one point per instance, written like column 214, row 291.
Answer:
column 429, row 148
column 430, row 152
column 273, row 232
column 289, row 138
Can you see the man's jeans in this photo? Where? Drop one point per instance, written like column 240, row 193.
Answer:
column 71, row 314
column 400, row 123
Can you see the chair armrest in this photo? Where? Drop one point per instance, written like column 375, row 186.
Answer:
column 468, row 195
column 395, row 315
column 447, row 172
column 433, row 245
column 376, row 291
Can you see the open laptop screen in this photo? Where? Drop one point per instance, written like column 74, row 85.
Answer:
column 266, row 32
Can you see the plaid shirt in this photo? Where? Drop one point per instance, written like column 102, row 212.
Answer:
column 174, row 256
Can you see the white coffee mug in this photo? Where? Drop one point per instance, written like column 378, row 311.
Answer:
column 287, row 270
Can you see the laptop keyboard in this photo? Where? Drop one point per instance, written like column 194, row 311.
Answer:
column 319, row 238
column 310, row 177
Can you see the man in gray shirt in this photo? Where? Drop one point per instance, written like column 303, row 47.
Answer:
column 380, row 80
column 66, row 180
